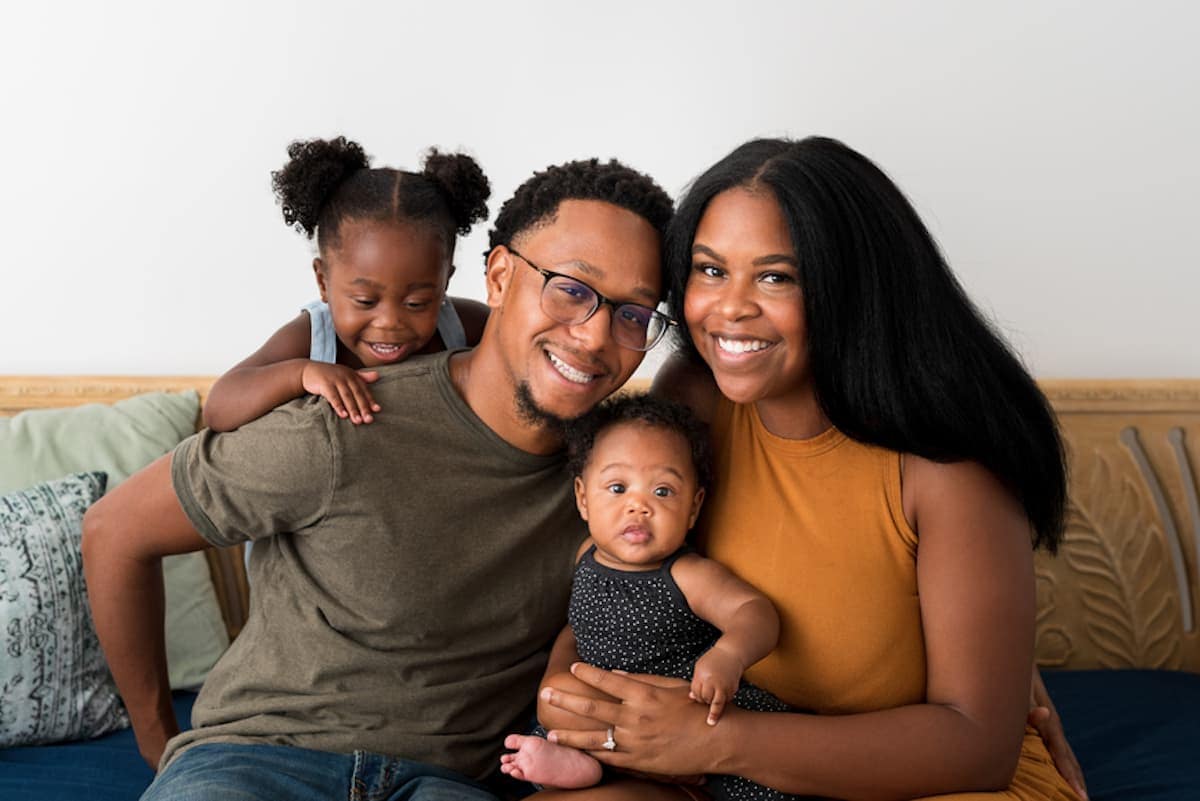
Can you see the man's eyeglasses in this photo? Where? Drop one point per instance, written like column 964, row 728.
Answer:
column 572, row 302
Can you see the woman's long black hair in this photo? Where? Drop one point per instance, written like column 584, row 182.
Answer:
column 900, row 357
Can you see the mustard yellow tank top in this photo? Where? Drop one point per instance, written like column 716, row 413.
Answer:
column 818, row 526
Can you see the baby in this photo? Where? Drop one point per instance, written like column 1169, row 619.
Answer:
column 642, row 601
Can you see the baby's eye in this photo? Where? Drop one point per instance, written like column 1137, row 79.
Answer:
column 417, row 305
column 365, row 303
column 664, row 492
column 616, row 488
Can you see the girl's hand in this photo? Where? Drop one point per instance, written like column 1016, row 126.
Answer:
column 1044, row 717
column 715, row 680
column 345, row 389
column 656, row 726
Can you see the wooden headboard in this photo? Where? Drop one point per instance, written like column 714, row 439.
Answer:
column 1124, row 590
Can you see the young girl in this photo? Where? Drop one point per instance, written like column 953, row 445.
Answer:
column 385, row 240
column 641, row 601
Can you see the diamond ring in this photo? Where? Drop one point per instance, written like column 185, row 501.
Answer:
column 610, row 744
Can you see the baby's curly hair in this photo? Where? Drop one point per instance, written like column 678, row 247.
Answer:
column 536, row 201
column 328, row 181
column 646, row 409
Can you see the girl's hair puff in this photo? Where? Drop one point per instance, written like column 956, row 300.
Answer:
column 328, row 181
column 900, row 357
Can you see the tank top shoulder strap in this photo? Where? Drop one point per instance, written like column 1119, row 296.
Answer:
column 450, row 326
column 322, row 339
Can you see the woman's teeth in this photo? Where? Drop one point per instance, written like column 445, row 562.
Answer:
column 741, row 345
column 568, row 372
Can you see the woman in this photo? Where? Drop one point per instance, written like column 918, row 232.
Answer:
column 859, row 406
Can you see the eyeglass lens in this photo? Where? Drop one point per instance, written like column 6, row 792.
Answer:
column 571, row 302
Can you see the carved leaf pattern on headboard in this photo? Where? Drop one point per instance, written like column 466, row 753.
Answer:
column 1114, row 542
column 1112, row 597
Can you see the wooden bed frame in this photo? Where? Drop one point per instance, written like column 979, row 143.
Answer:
column 1123, row 592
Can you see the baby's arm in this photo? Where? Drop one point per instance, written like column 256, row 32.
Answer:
column 748, row 622
column 276, row 373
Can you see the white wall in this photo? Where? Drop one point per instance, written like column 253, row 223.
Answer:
column 1051, row 146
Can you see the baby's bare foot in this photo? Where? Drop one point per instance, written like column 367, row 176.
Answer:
column 548, row 764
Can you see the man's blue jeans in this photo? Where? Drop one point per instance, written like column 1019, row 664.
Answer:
column 232, row 772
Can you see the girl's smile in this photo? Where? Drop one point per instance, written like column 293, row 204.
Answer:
column 384, row 283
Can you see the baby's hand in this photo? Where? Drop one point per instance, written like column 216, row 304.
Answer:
column 715, row 680
column 345, row 389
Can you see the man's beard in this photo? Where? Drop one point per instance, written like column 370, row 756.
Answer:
column 534, row 415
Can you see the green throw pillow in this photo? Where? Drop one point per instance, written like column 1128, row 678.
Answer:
column 120, row 439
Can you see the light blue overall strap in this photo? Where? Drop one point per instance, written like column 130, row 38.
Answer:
column 323, row 344
column 450, row 326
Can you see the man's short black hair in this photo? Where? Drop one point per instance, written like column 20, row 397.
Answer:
column 536, row 201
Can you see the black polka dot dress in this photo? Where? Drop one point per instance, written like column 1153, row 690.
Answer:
column 639, row 621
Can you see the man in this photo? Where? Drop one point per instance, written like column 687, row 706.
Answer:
column 408, row 575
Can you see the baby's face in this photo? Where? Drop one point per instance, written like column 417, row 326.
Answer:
column 638, row 494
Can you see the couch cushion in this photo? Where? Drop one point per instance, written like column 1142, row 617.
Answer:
column 54, row 682
column 108, row 768
column 1136, row 732
column 120, row 439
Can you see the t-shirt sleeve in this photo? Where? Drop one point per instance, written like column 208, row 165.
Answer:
column 271, row 476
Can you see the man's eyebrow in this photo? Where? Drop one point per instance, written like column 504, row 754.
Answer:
column 595, row 273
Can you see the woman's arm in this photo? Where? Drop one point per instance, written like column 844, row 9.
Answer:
column 748, row 622
column 683, row 381
column 975, row 578
column 125, row 535
column 558, row 676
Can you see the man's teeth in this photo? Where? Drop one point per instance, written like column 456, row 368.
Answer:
column 568, row 372
column 742, row 345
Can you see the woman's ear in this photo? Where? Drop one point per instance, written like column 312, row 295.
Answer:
column 580, row 498
column 322, row 279
column 498, row 276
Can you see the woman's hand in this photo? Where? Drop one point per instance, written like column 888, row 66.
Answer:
column 1044, row 717
column 344, row 388
column 656, row 726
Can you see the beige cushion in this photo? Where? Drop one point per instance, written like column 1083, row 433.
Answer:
column 119, row 439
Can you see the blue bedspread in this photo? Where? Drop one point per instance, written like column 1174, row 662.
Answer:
column 1136, row 733
column 108, row 768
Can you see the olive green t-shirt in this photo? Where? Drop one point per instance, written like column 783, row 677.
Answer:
column 408, row 576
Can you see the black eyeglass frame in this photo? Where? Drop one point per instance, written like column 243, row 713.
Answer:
column 601, row 300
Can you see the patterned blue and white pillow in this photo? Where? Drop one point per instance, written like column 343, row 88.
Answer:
column 54, row 682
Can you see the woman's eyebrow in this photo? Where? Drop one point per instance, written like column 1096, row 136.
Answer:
column 776, row 258
column 707, row 251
